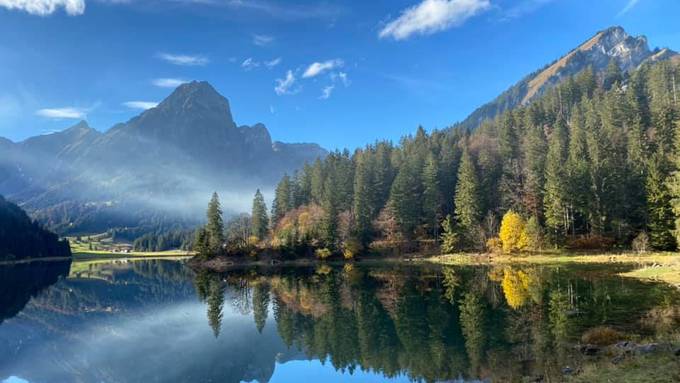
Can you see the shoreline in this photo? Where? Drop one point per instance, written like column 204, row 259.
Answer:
column 659, row 267
column 654, row 266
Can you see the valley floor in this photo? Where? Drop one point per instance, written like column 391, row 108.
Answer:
column 102, row 246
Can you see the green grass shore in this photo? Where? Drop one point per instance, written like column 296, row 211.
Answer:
column 657, row 266
column 100, row 254
column 101, row 247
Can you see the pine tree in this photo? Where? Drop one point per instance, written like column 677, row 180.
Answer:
column 283, row 198
column 259, row 219
column 535, row 150
column 511, row 183
column 405, row 198
column 555, row 198
column 659, row 206
column 577, row 169
column 432, row 197
column 467, row 205
column 330, row 211
column 450, row 239
column 201, row 243
column 363, row 197
column 612, row 75
column 215, row 226
column 317, row 181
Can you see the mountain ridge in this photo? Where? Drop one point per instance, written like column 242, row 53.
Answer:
column 612, row 43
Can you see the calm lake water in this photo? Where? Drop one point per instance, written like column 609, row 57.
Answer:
column 158, row 321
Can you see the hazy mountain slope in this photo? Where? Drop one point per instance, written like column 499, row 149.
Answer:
column 611, row 44
column 160, row 166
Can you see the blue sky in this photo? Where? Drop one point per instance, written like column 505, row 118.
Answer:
column 339, row 73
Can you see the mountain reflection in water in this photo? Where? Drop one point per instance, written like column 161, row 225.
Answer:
column 158, row 321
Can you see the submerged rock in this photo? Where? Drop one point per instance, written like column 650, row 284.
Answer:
column 589, row 349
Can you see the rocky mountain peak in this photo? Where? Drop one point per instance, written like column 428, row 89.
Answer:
column 199, row 98
column 627, row 50
column 597, row 52
column 80, row 128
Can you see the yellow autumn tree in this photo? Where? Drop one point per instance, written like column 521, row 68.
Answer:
column 513, row 234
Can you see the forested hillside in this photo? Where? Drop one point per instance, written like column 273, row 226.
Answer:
column 22, row 238
column 593, row 163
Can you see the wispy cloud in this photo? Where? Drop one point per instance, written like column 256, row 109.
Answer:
column 184, row 60
column 63, row 113
column 168, row 82
column 249, row 64
column 273, row 63
column 326, row 92
column 336, row 78
column 286, row 85
column 629, row 5
column 262, row 40
column 141, row 105
column 318, row 68
column 45, row 7
column 523, row 8
column 340, row 76
column 431, row 16
column 283, row 10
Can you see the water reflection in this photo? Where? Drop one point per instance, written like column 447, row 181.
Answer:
column 159, row 321
column 20, row 282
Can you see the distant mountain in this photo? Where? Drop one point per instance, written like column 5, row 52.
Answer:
column 610, row 44
column 157, row 168
column 22, row 238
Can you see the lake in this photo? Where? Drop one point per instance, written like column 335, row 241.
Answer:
column 159, row 321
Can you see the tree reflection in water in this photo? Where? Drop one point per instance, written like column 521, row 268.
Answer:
column 434, row 323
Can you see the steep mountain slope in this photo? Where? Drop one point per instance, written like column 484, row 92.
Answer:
column 614, row 43
column 157, row 167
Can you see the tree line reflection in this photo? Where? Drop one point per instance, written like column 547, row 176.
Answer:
column 431, row 323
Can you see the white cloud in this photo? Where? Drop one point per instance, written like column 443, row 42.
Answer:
column 45, row 7
column 249, row 64
column 629, row 5
column 340, row 76
column 185, row 60
column 326, row 92
column 63, row 113
column 431, row 16
column 168, row 82
column 273, row 63
column 262, row 40
column 143, row 105
column 317, row 68
column 285, row 85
